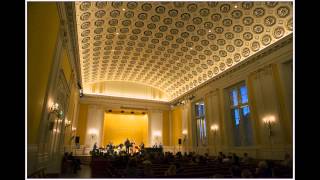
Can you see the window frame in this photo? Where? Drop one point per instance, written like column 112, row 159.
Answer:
column 240, row 105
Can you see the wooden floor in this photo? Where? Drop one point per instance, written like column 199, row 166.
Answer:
column 85, row 172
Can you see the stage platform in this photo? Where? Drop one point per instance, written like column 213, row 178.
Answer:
column 84, row 159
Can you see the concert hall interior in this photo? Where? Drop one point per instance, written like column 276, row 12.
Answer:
column 160, row 89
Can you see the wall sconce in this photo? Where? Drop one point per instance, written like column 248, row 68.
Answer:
column 156, row 135
column 93, row 133
column 55, row 108
column 67, row 123
column 269, row 121
column 185, row 133
column 214, row 128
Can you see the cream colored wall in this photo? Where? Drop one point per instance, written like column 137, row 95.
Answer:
column 91, row 116
column 48, row 59
column 165, row 128
column 268, row 94
column 43, row 26
column 82, row 122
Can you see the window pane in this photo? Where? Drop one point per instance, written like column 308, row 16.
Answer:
column 236, row 116
column 247, row 135
column 244, row 94
column 234, row 97
column 245, row 111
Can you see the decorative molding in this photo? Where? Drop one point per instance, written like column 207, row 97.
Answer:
column 189, row 44
column 68, row 26
column 118, row 102
column 242, row 65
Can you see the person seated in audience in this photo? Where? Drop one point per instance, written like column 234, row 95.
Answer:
column 146, row 159
column 263, row 170
column 179, row 168
column 131, row 170
column 147, row 170
column 65, row 162
column 191, row 161
column 171, row 171
column 220, row 157
column 287, row 162
column 235, row 159
column 246, row 173
column 75, row 162
column 245, row 158
column 235, row 171
column 227, row 159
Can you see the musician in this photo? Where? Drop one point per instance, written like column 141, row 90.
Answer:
column 95, row 149
column 155, row 145
column 141, row 145
column 110, row 148
column 127, row 144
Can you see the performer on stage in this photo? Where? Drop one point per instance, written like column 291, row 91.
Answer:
column 110, row 148
column 142, row 145
column 127, row 144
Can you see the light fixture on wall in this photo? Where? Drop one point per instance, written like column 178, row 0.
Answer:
column 93, row 133
column 55, row 109
column 156, row 135
column 184, row 133
column 214, row 128
column 269, row 122
column 67, row 123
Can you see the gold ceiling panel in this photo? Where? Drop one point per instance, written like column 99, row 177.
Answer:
column 174, row 46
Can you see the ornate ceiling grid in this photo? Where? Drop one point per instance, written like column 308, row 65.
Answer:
column 174, row 46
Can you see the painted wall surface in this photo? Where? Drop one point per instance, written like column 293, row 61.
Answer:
column 270, row 93
column 118, row 127
column 82, row 122
column 43, row 26
column 155, row 127
column 94, row 126
column 165, row 128
column 176, row 125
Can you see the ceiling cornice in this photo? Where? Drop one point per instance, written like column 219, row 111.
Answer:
column 263, row 53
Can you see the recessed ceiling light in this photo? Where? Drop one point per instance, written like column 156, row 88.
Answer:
column 235, row 6
column 117, row 33
column 123, row 9
column 209, row 31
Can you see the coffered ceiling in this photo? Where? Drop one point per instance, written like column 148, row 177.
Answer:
column 173, row 46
